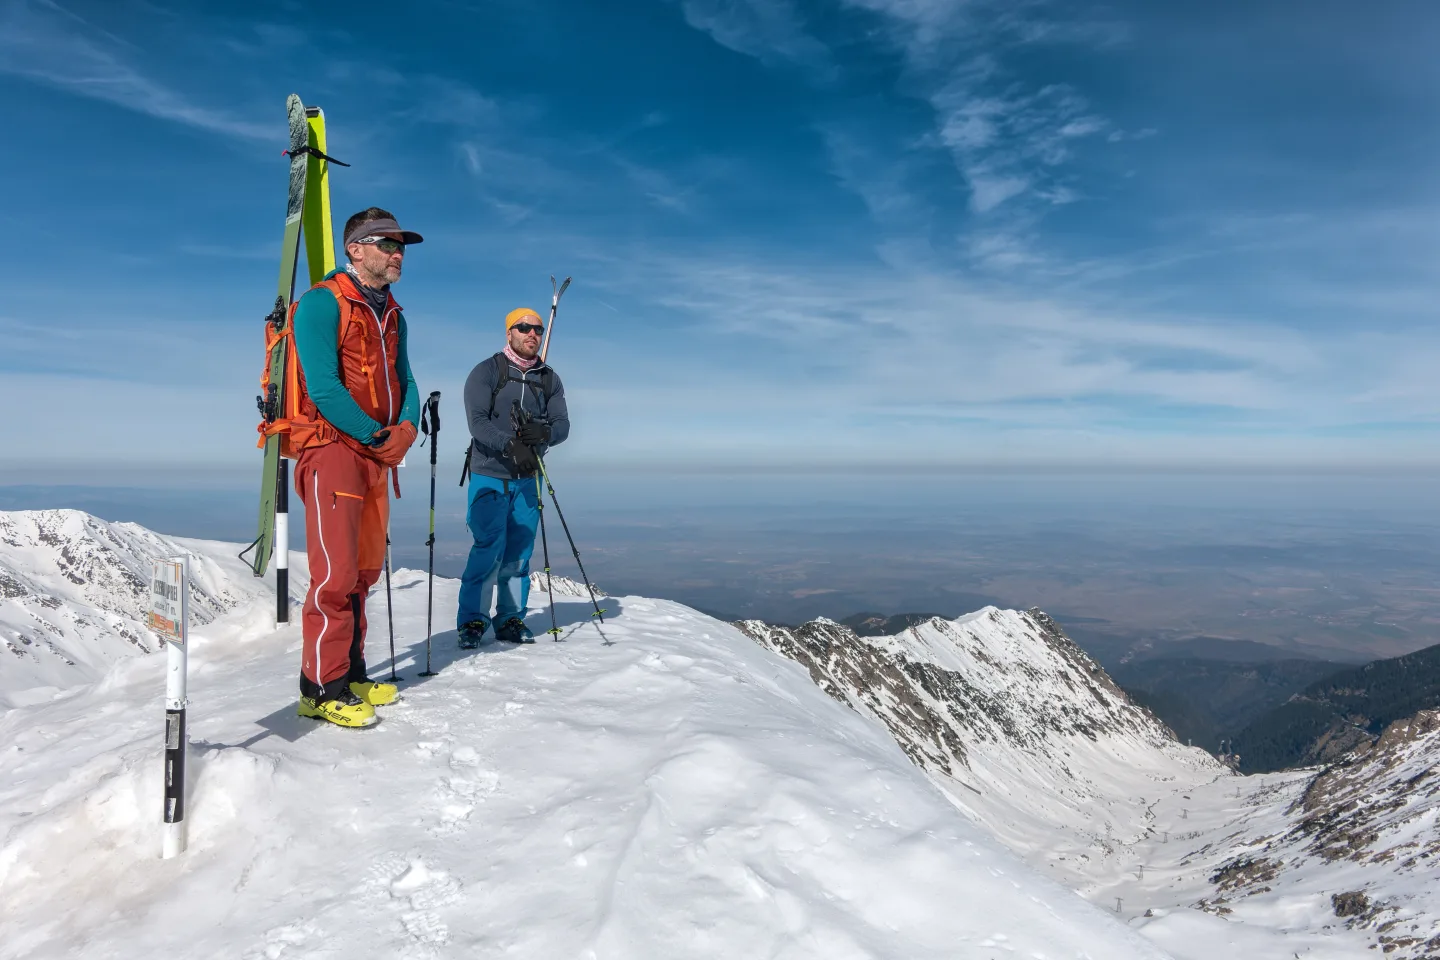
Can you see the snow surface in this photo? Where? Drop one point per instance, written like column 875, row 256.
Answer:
column 1102, row 798
column 668, row 788
column 1030, row 738
column 74, row 591
column 659, row 787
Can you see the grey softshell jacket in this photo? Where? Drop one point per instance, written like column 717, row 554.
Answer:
column 490, row 432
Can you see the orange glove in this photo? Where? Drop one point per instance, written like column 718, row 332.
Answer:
column 398, row 440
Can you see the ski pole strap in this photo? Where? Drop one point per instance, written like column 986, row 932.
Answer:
column 430, row 424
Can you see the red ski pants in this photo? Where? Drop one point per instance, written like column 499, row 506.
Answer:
column 347, row 509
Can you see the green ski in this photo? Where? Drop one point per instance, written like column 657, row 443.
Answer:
column 307, row 213
column 273, row 480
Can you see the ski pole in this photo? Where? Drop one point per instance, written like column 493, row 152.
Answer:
column 550, row 325
column 389, row 608
column 566, row 527
column 430, row 425
column 545, row 552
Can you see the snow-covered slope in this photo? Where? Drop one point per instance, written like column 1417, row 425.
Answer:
column 73, row 595
column 1354, row 846
column 656, row 787
column 1028, row 733
column 1033, row 740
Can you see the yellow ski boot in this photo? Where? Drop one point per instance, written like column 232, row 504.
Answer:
column 375, row 693
column 345, row 710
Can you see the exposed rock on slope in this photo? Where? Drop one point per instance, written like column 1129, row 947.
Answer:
column 74, row 596
column 1359, row 835
column 1004, row 704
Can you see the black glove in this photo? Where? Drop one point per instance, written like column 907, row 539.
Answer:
column 523, row 457
column 533, row 433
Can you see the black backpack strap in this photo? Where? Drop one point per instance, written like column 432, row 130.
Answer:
column 465, row 467
column 502, row 377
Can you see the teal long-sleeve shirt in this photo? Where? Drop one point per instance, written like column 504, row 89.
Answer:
column 317, row 331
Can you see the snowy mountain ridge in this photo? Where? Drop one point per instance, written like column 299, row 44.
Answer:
column 74, row 594
column 664, row 785
column 1091, row 788
column 1003, row 705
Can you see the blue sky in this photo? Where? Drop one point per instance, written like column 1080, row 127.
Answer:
column 850, row 233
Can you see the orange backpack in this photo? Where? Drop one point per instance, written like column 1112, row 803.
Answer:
column 285, row 405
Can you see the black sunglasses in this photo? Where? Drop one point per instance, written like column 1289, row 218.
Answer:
column 529, row 327
column 385, row 245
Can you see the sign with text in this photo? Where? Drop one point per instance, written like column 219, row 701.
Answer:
column 167, row 606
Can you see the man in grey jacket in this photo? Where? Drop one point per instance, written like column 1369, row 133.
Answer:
column 515, row 406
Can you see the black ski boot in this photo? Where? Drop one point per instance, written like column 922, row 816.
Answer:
column 514, row 631
column 472, row 633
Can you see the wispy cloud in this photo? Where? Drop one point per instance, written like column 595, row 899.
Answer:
column 960, row 371
column 44, row 42
column 1010, row 136
column 657, row 186
column 772, row 31
column 928, row 344
column 1014, row 142
column 1011, row 140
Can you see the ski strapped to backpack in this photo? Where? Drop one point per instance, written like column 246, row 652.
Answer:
column 307, row 213
column 501, row 366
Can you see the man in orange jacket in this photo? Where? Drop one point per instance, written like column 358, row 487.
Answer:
column 360, row 398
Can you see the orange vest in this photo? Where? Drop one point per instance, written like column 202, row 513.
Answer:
column 367, row 345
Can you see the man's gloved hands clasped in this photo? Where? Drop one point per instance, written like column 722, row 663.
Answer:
column 534, row 433
column 525, row 460
column 394, row 442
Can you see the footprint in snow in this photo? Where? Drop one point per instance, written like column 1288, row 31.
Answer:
column 424, row 891
column 458, row 797
column 278, row 940
column 464, row 757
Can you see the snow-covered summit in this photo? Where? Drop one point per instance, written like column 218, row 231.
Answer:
column 667, row 790
column 74, row 590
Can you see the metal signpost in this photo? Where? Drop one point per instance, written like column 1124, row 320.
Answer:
column 170, row 618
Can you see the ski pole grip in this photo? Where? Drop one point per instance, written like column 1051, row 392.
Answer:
column 433, row 408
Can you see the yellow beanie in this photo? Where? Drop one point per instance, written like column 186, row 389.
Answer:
column 520, row 316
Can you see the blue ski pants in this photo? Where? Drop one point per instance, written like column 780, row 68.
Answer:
column 502, row 517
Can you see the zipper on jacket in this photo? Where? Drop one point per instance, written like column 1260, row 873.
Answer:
column 384, row 356
column 539, row 393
